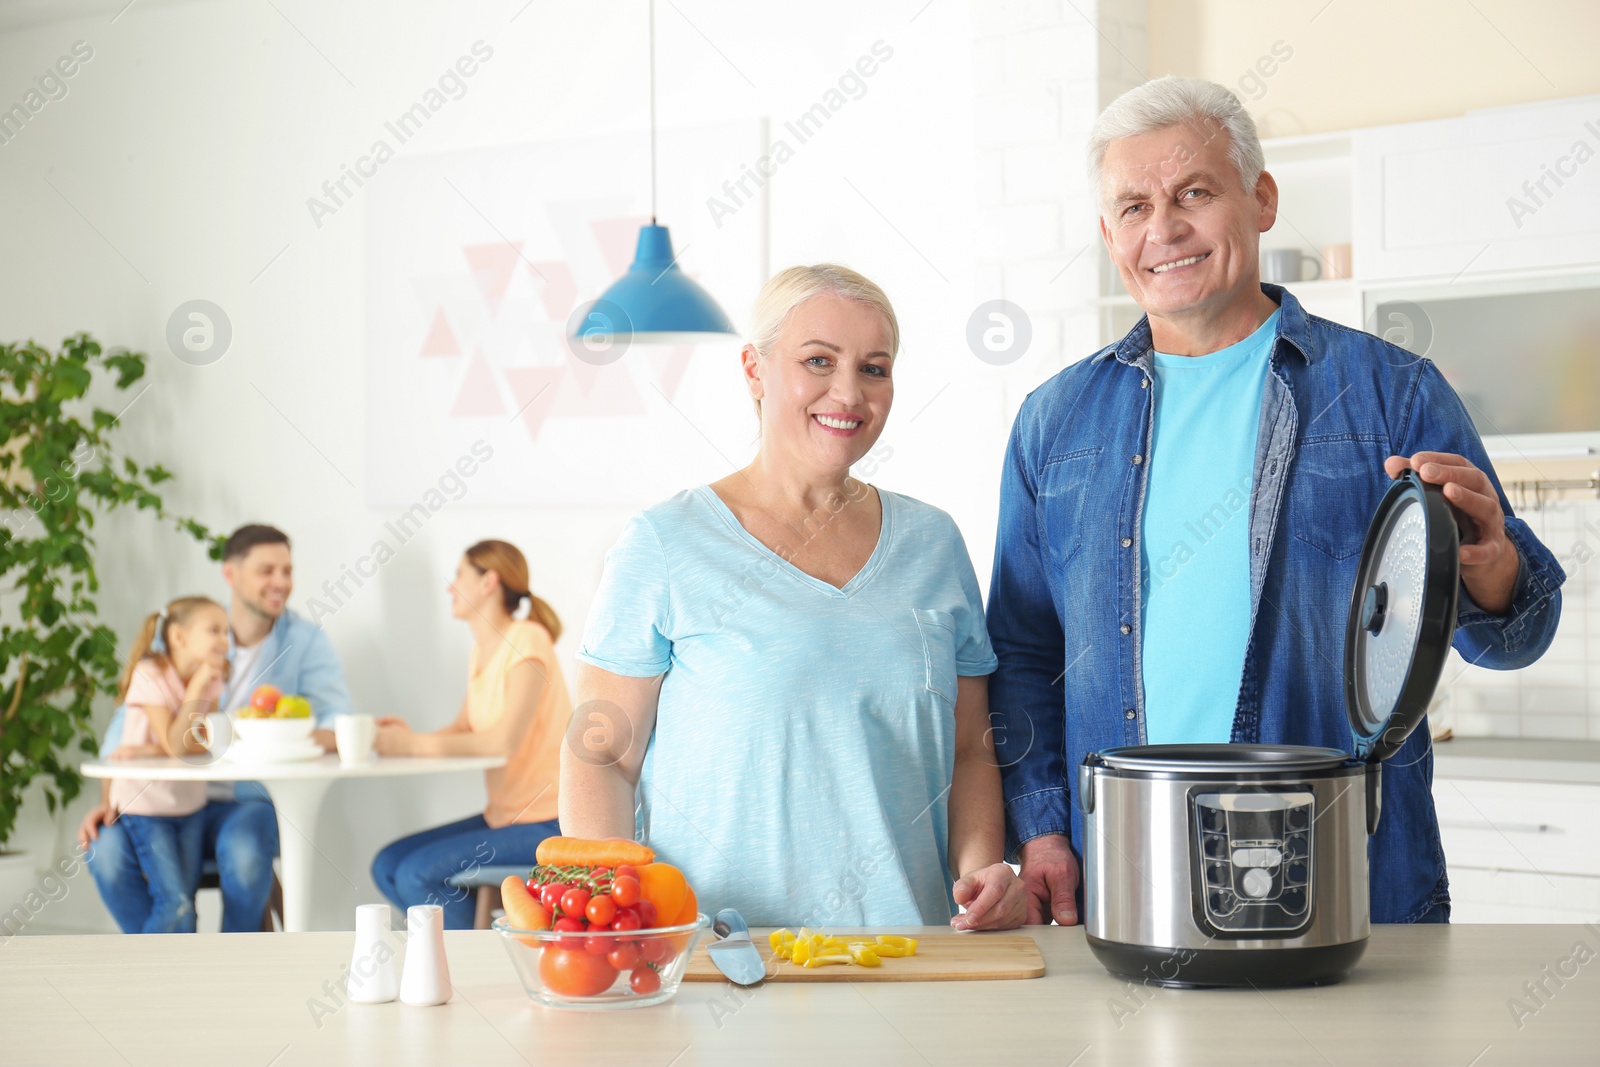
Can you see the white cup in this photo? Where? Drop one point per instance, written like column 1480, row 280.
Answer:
column 355, row 735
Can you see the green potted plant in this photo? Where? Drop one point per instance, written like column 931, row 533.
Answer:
column 58, row 474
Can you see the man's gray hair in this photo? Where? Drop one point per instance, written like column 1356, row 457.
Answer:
column 1173, row 101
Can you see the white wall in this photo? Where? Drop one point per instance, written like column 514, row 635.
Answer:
column 1374, row 62
column 187, row 147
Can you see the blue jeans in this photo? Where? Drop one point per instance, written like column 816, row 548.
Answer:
column 242, row 836
column 413, row 870
column 167, row 849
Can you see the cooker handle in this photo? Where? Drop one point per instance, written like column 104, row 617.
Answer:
column 1086, row 782
column 1374, row 796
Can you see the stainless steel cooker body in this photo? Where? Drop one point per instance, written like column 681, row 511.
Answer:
column 1227, row 864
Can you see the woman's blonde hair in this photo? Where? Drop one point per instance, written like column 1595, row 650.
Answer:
column 153, row 633
column 793, row 286
column 507, row 561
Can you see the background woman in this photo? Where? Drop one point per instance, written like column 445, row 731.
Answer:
column 516, row 706
column 786, row 668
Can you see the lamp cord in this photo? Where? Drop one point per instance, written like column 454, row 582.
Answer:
column 652, row 112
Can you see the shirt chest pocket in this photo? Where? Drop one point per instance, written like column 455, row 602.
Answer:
column 938, row 631
column 1330, row 492
column 1064, row 485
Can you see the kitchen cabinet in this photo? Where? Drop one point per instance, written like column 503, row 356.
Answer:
column 1520, row 851
column 1508, row 189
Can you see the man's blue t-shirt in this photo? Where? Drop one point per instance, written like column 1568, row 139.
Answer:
column 1195, row 574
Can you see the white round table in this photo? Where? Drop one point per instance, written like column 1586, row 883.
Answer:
column 297, row 789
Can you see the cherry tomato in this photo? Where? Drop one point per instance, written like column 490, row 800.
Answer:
column 568, row 925
column 626, row 921
column 623, row 955
column 575, row 974
column 656, row 950
column 574, row 901
column 599, row 946
column 600, row 874
column 647, row 914
column 625, row 870
column 602, row 910
column 550, row 894
column 625, row 891
column 645, row 980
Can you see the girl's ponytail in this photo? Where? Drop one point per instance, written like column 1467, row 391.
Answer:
column 142, row 646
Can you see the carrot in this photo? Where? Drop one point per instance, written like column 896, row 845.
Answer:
column 522, row 911
column 663, row 885
column 578, row 852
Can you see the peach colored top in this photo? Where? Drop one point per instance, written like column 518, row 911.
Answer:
column 153, row 684
column 525, row 789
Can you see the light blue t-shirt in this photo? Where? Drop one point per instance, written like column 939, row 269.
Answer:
column 1195, row 578
column 805, row 734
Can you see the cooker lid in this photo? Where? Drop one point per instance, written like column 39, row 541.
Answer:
column 1402, row 615
column 1204, row 758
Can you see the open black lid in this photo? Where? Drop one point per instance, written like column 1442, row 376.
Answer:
column 1402, row 615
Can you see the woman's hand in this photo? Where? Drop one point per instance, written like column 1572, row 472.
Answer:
column 994, row 897
column 395, row 737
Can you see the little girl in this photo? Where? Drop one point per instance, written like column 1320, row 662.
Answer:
column 171, row 683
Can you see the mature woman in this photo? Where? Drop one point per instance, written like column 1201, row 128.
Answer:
column 787, row 668
column 517, row 706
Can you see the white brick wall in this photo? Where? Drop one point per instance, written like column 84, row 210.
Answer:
column 1559, row 696
column 1042, row 73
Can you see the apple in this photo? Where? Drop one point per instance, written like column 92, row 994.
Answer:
column 294, row 706
column 265, row 697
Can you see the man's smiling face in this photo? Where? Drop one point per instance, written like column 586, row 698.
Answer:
column 1181, row 227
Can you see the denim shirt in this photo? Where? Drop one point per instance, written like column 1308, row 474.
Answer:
column 1064, row 611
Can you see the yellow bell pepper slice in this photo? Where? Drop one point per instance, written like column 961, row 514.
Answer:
column 864, row 956
column 824, row 961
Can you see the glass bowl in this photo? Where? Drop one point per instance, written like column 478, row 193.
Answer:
column 578, row 970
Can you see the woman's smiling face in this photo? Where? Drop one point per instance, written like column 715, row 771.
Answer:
column 826, row 386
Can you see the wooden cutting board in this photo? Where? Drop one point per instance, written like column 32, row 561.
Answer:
column 940, row 958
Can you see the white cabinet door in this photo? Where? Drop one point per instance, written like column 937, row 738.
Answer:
column 1520, row 851
column 1513, row 189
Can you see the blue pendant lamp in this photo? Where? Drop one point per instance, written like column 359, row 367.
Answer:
column 654, row 302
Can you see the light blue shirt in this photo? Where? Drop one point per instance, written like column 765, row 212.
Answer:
column 805, row 734
column 1195, row 574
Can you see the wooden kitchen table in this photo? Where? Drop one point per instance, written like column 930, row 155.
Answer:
column 297, row 788
column 1421, row 995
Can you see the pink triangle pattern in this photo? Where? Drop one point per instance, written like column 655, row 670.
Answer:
column 441, row 340
column 558, row 290
column 670, row 367
column 617, row 239
column 492, row 266
column 534, row 390
column 478, row 395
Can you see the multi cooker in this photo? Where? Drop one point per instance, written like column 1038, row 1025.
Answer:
column 1247, row 864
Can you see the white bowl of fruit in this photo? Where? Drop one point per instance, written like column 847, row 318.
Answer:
column 274, row 719
column 599, row 924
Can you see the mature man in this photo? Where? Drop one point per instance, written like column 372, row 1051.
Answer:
column 1181, row 514
column 269, row 645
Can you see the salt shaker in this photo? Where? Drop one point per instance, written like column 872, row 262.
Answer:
column 374, row 975
column 426, row 978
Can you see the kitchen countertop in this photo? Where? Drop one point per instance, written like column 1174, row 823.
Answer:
column 1421, row 995
column 1518, row 758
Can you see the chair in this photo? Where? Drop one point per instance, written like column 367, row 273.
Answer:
column 211, row 878
column 486, row 880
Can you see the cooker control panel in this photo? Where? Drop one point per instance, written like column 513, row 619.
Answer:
column 1253, row 855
